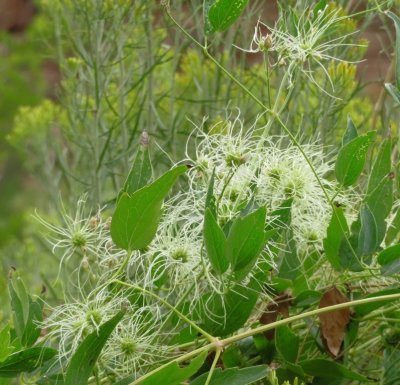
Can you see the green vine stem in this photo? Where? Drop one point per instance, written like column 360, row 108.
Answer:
column 214, row 365
column 219, row 345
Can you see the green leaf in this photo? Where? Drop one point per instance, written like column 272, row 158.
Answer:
column 5, row 348
column 391, row 367
column 141, row 171
column 19, row 303
column 390, row 260
column 210, row 198
column 281, row 217
column 348, row 256
column 350, row 338
column 208, row 28
column 246, row 240
column 336, row 232
column 127, row 380
column 172, row 374
column 32, row 329
column 26, row 313
column 320, row 6
column 380, row 188
column 25, row 361
column 234, row 376
column 223, row 13
column 215, row 243
column 307, row 298
column 136, row 217
column 368, row 236
column 328, row 369
column 394, row 229
column 351, row 132
column 228, row 313
column 232, row 357
column 396, row 20
column 289, row 266
column 362, row 310
column 382, row 167
column 351, row 159
column 287, row 343
column 82, row 362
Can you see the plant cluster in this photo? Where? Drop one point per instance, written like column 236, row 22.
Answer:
column 263, row 255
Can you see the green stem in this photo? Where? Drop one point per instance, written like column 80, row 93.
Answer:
column 218, row 344
column 214, row 364
column 178, row 360
column 311, row 313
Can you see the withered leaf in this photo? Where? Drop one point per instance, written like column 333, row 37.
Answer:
column 334, row 324
column 279, row 306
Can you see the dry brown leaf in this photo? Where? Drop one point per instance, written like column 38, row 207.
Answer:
column 279, row 305
column 334, row 324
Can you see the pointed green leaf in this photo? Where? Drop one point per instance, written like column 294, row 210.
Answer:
column 351, row 159
column 368, row 236
column 215, row 243
column 390, row 260
column 351, row 132
column 232, row 357
column 381, row 167
column 380, row 188
column 228, row 313
column 136, row 217
column 127, row 380
column 25, row 361
column 172, row 374
column 82, row 362
column 5, row 348
column 337, row 230
column 19, row 303
column 394, row 229
column 362, row 310
column 32, row 328
column 320, row 6
column 234, row 376
column 281, row 217
column 210, row 198
column 307, row 298
column 349, row 259
column 289, row 266
column 141, row 170
column 26, row 313
column 223, row 13
column 328, row 369
column 287, row 343
column 208, row 28
column 246, row 239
